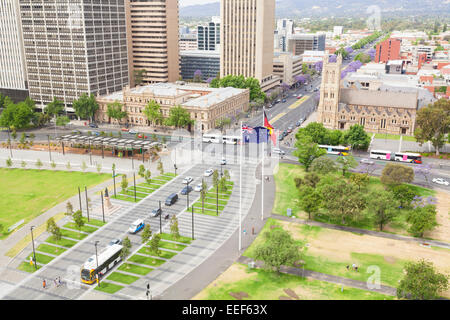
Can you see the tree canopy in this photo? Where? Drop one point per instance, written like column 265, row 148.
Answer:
column 114, row 111
column 179, row 117
column 395, row 174
column 54, row 108
column 307, row 150
column 17, row 115
column 242, row 83
column 153, row 112
column 85, row 106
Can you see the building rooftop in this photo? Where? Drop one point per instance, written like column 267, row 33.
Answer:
column 379, row 98
column 201, row 53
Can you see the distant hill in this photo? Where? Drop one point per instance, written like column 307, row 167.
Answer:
column 322, row 8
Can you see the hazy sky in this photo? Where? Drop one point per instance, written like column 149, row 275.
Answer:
column 184, row 3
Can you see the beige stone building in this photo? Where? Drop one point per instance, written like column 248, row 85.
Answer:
column 205, row 105
column 152, row 36
column 246, row 37
column 286, row 66
column 378, row 111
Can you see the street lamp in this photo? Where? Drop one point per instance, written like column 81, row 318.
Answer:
column 9, row 141
column 187, row 193
column 160, row 218
column 96, row 258
column 34, row 252
column 175, row 167
column 49, row 151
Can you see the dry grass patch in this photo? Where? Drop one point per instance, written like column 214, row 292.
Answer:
column 441, row 232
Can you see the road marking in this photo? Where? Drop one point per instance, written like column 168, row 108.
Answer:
column 298, row 102
column 277, row 117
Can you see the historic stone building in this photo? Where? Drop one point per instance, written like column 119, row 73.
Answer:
column 342, row 105
column 205, row 105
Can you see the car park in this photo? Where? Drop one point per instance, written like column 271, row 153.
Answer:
column 187, row 180
column 198, row 187
column 155, row 212
column 208, row 172
column 186, row 190
column 114, row 241
column 441, row 181
column 171, row 199
column 136, row 226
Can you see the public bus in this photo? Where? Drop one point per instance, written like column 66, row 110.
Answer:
column 212, row 138
column 339, row 150
column 381, row 154
column 107, row 259
column 408, row 157
column 231, row 139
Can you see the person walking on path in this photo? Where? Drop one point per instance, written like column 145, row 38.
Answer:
column 354, row 266
column 59, row 281
column 43, row 284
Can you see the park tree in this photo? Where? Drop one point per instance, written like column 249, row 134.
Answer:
column 215, row 178
column 357, row 137
column 179, row 117
column 311, row 179
column 432, row 123
column 39, row 163
column 277, row 249
column 78, row 219
column 51, row 224
column 69, row 208
column 404, row 194
column 124, row 183
column 9, row 162
column 53, row 164
column 126, row 246
column 307, row 151
column 62, row 121
column 18, row 115
column 152, row 112
column 139, row 76
column 323, row 165
column 421, row 219
column 160, row 167
column 23, row 164
column 114, row 111
column 395, row 174
column 333, row 138
column 421, row 281
column 154, row 244
column 316, row 131
column 383, row 205
column 148, row 176
column 146, row 234
column 310, row 200
column 54, row 108
column 142, row 171
column 174, row 227
column 203, row 193
column 363, row 57
column 85, row 106
column 345, row 163
column 360, row 179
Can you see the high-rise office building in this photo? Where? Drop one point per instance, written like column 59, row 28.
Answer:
column 285, row 28
column 207, row 61
column 153, row 35
column 246, row 40
column 12, row 64
column 74, row 47
column 299, row 43
column 208, row 36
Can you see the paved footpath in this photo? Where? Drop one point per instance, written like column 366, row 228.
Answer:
column 325, row 277
column 434, row 243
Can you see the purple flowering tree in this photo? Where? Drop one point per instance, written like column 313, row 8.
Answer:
column 198, row 76
column 333, row 58
column 349, row 50
column 423, row 170
column 285, row 87
column 318, row 66
column 300, row 79
column 420, row 201
column 367, row 168
column 209, row 80
column 372, row 53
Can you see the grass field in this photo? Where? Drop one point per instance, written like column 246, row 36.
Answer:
column 146, row 260
column 85, row 228
column 132, row 268
column 108, row 287
column 28, row 193
column 168, row 236
column 262, row 285
column 50, row 249
column 40, row 258
column 387, row 136
column 63, row 242
column 27, row 267
column 212, row 197
column 73, row 234
column 122, row 278
column 162, row 253
column 171, row 246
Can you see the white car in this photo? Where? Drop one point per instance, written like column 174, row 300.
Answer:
column 187, row 180
column 223, row 162
column 139, row 224
column 294, row 95
column 278, row 151
column 367, row 161
column 132, row 131
column 208, row 172
column 198, row 187
column 440, row 181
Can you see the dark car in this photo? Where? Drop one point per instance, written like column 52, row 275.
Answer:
column 93, row 125
column 114, row 241
column 298, row 124
column 186, row 190
column 156, row 212
column 284, row 100
column 281, row 138
column 171, row 199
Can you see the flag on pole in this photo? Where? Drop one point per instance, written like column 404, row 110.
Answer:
column 270, row 128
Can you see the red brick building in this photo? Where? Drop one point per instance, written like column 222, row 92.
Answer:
column 388, row 50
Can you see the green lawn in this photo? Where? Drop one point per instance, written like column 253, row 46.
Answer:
column 168, row 236
column 73, row 234
column 264, row 285
column 27, row 193
column 171, row 246
column 286, row 192
column 162, row 253
column 146, row 260
column 130, row 192
column 124, row 198
column 387, row 136
column 122, row 278
column 132, row 268
column 108, row 287
column 409, row 138
column 50, row 249
column 40, row 258
column 150, row 185
column 25, row 266
column 63, row 242
column 85, row 228
column 94, row 222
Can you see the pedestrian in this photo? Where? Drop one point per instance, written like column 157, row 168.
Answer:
column 356, row 268
column 353, row 266
column 348, row 267
column 55, row 282
column 43, row 284
column 59, row 281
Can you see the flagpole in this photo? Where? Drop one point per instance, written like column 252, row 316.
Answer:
column 240, row 191
column 262, row 172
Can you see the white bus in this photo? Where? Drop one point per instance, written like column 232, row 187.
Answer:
column 339, row 150
column 381, row 154
column 212, row 138
column 107, row 259
column 408, row 157
column 231, row 139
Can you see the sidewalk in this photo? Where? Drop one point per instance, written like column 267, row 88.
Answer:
column 325, row 277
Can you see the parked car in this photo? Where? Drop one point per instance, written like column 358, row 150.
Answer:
column 298, row 124
column 289, row 129
column 280, row 138
column 136, row 226
column 93, row 125
column 96, row 133
column 186, row 190
column 171, row 199
column 155, row 212
column 294, row 95
column 284, row 100
column 299, row 96
column 270, row 106
column 367, row 161
column 278, row 151
column 187, row 180
column 124, row 129
column 208, row 172
column 223, row 162
column 316, row 89
column 198, row 187
column 278, row 101
column 132, row 131
column 440, row 181
column 114, row 241
column 142, row 135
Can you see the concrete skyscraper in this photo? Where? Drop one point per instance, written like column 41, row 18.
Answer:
column 74, row 47
column 153, row 29
column 246, row 38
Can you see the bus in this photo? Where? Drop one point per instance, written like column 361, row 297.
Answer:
column 408, row 157
column 231, row 139
column 339, row 150
column 107, row 259
column 212, row 138
column 381, row 154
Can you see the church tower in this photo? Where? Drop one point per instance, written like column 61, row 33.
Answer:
column 329, row 93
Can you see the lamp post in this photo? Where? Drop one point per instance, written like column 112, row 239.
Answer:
column 134, row 179
column 49, row 151
column 34, row 252
column 175, row 167
column 187, row 194
column 103, row 207
column 9, row 142
column 132, row 160
column 90, row 152
column 114, row 179
column 160, row 218
column 87, row 202
column 79, row 198
column 96, row 258
column 192, row 222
